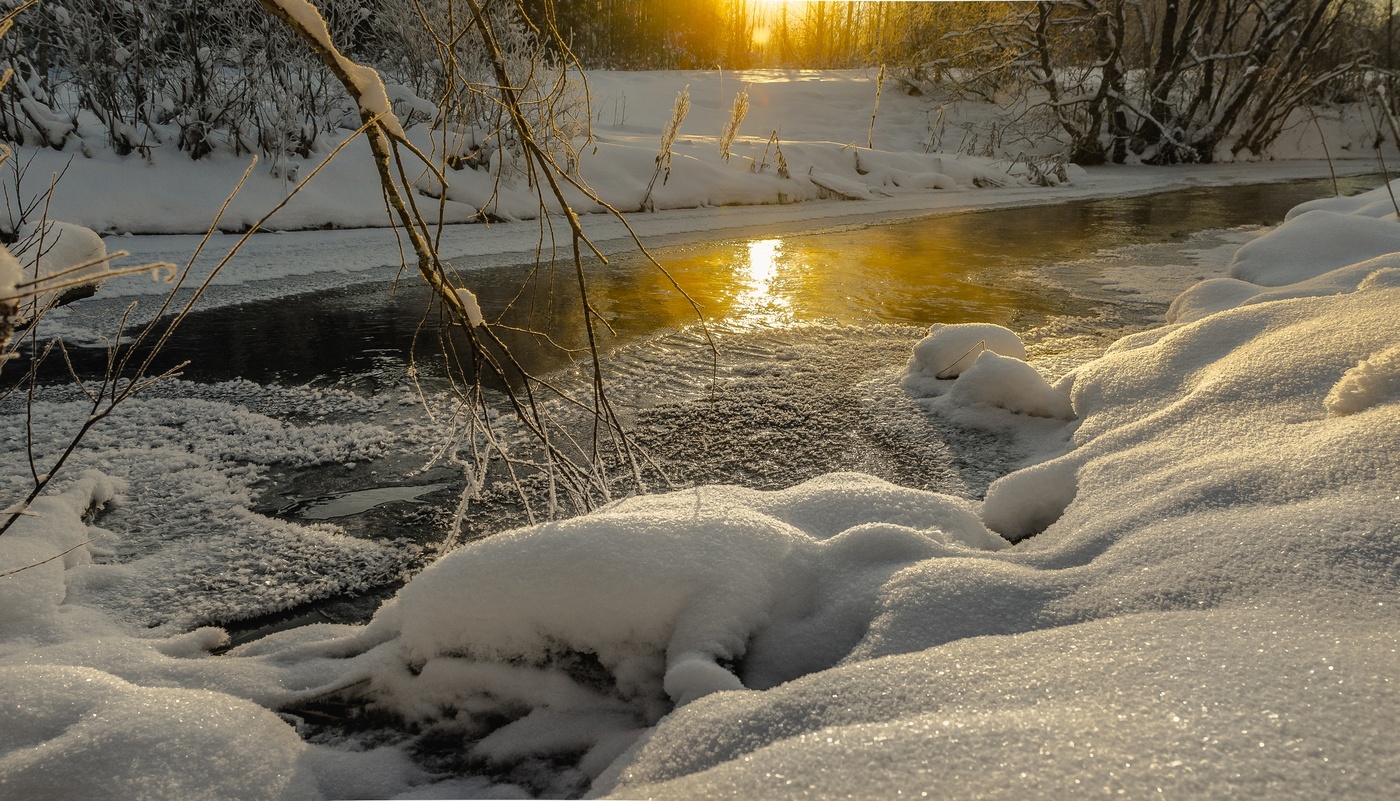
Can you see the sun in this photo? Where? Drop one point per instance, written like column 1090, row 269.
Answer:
column 766, row 7
column 766, row 13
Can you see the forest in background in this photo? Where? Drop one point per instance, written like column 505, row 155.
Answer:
column 1159, row 81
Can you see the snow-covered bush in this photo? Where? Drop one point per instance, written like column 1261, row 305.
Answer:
column 1195, row 80
column 201, row 78
column 148, row 74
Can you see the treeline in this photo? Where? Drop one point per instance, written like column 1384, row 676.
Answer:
column 1162, row 80
column 735, row 34
column 1155, row 80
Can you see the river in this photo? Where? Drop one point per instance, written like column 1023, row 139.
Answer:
column 810, row 332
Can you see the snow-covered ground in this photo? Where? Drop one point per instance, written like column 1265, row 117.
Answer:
column 922, row 146
column 1209, row 610
column 1206, row 608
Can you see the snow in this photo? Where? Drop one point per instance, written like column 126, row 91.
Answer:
column 1027, row 501
column 471, row 307
column 1373, row 381
column 1212, row 613
column 162, row 732
column 1010, row 384
column 1316, row 242
column 11, row 274
column 948, row 350
column 80, row 732
column 687, row 579
column 367, row 87
column 1206, row 608
column 52, row 262
column 55, row 247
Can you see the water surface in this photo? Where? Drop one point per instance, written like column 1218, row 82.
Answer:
column 967, row 267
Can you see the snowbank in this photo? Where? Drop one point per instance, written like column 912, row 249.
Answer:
column 1212, row 614
column 1208, row 608
column 812, row 124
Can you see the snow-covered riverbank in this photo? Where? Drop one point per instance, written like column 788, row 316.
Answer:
column 822, row 118
column 1205, row 608
column 921, row 156
column 1209, row 609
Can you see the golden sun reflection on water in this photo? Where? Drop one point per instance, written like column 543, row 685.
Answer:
column 760, row 300
column 934, row 273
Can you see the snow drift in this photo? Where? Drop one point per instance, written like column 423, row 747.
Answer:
column 1208, row 608
column 1213, row 614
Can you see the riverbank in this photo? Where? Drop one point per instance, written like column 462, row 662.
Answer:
column 1207, row 603
column 1207, row 610
column 921, row 153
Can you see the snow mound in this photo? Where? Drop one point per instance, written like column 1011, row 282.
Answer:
column 77, row 732
column 579, row 634
column 1313, row 243
column 663, row 589
column 1209, row 297
column 31, row 581
column 1219, row 294
column 1011, row 384
column 72, row 258
column 1370, row 383
column 1374, row 203
column 1026, row 502
column 948, row 350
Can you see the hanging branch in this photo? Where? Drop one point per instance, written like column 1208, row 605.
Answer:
column 576, row 468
